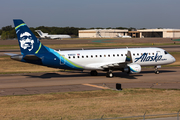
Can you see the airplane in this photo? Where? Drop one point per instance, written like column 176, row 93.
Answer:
column 46, row 35
column 126, row 36
column 127, row 60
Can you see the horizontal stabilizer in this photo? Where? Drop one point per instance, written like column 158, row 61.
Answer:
column 10, row 54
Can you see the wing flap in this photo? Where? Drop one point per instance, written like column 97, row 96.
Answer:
column 113, row 64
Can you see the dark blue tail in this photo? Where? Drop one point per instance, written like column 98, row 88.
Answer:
column 28, row 42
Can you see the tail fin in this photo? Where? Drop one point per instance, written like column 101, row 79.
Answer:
column 40, row 33
column 28, row 42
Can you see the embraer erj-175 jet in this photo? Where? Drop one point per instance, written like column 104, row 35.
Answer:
column 46, row 35
column 128, row 60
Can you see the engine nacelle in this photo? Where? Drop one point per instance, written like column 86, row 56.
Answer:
column 132, row 68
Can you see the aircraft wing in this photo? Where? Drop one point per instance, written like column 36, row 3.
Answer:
column 112, row 65
column 102, row 66
column 119, row 64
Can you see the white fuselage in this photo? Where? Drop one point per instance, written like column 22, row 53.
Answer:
column 94, row 59
column 46, row 35
column 56, row 36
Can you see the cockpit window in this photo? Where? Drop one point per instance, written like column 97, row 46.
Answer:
column 165, row 52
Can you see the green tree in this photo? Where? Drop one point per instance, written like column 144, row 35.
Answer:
column 7, row 28
column 0, row 32
column 122, row 28
column 5, row 35
column 12, row 34
column 131, row 29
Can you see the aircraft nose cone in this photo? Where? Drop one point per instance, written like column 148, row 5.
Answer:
column 173, row 59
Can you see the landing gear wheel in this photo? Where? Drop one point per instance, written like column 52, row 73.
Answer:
column 156, row 72
column 93, row 73
column 109, row 74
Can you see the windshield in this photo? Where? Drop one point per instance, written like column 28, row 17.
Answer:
column 165, row 52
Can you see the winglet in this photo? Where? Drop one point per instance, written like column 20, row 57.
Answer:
column 129, row 57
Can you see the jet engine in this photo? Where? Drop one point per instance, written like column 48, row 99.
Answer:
column 132, row 68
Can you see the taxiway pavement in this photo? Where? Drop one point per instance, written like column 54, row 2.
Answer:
column 40, row 83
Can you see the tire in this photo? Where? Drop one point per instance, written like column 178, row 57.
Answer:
column 157, row 72
column 109, row 74
column 93, row 73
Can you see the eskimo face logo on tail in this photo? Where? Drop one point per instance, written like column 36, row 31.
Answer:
column 26, row 41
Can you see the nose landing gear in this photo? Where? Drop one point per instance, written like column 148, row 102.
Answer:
column 156, row 69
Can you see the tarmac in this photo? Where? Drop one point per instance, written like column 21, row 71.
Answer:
column 168, row 118
column 71, row 81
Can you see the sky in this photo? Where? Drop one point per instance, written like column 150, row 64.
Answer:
column 92, row 13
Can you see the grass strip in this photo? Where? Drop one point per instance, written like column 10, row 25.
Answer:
column 90, row 104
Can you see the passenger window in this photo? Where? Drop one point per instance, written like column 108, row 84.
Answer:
column 104, row 55
column 73, row 56
column 149, row 53
column 125, row 54
column 77, row 56
column 108, row 55
column 82, row 56
column 118, row 55
column 92, row 56
column 133, row 54
column 152, row 53
column 141, row 53
column 137, row 54
column 100, row 55
column 86, row 56
column 121, row 54
column 69, row 57
column 113, row 55
column 96, row 56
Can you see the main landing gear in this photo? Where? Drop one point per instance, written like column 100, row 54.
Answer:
column 109, row 74
column 93, row 73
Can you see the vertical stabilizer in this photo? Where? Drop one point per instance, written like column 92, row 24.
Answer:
column 28, row 42
column 40, row 33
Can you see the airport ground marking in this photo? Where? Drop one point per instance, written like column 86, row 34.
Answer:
column 101, row 87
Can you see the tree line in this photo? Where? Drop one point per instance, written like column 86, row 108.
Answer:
column 8, row 32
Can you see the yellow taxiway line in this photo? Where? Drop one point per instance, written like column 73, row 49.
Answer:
column 101, row 87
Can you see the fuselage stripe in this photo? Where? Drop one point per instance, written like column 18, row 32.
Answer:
column 38, row 48
column 20, row 25
column 71, row 63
